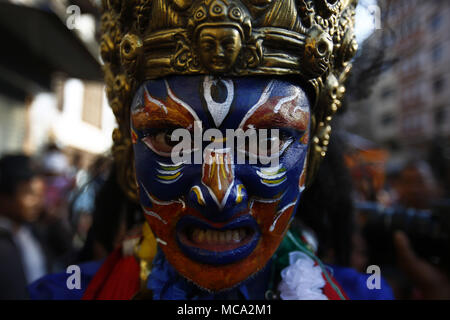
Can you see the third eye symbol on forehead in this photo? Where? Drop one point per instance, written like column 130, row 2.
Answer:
column 219, row 95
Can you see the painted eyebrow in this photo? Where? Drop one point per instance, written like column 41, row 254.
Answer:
column 279, row 121
column 157, row 114
column 281, row 112
column 142, row 120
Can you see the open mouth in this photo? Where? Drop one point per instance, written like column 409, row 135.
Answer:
column 230, row 243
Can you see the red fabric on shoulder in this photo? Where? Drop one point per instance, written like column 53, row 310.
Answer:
column 117, row 279
column 330, row 292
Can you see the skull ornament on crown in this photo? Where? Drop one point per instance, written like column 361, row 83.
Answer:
column 222, row 65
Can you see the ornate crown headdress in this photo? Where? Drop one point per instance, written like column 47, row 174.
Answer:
column 148, row 39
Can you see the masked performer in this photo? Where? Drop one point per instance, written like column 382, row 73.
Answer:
column 191, row 83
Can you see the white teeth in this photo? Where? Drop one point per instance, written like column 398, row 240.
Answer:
column 201, row 236
column 215, row 237
column 198, row 236
column 222, row 237
column 229, row 235
column 236, row 237
column 218, row 237
column 208, row 236
column 195, row 235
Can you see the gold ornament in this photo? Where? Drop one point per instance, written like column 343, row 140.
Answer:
column 312, row 40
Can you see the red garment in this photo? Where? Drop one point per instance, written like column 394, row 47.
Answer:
column 117, row 279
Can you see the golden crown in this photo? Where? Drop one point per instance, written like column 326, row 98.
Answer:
column 312, row 40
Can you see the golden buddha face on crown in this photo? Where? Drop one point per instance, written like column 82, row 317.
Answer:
column 219, row 32
column 219, row 48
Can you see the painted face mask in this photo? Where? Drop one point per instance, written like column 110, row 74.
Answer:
column 219, row 221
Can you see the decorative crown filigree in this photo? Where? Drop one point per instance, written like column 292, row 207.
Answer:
column 148, row 39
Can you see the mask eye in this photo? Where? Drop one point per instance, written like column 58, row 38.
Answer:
column 275, row 144
column 271, row 145
column 160, row 142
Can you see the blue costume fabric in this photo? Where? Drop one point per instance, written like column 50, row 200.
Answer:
column 355, row 285
column 54, row 286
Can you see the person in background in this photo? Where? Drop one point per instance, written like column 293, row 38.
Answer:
column 53, row 226
column 59, row 180
column 113, row 217
column 429, row 281
column 115, row 220
column 415, row 186
column 82, row 198
column 22, row 257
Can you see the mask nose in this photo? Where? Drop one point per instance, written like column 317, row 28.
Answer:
column 219, row 51
column 218, row 175
column 219, row 195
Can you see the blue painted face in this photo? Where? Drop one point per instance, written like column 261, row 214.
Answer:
column 217, row 221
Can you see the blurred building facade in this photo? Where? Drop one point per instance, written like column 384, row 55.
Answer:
column 51, row 88
column 408, row 105
column 75, row 116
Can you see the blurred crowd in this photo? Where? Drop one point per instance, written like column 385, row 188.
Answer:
column 382, row 211
column 54, row 212
column 47, row 206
